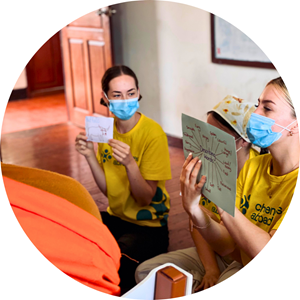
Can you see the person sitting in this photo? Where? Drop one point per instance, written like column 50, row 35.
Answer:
column 131, row 171
column 265, row 185
column 230, row 115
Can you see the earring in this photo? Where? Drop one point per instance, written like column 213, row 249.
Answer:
column 291, row 133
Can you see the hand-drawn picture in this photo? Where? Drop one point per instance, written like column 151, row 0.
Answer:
column 216, row 149
column 99, row 129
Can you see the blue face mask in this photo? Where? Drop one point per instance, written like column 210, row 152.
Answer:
column 124, row 109
column 260, row 133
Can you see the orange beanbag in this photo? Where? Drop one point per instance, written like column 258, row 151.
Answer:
column 72, row 239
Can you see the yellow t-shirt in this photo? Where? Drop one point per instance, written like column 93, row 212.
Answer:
column 209, row 204
column 149, row 147
column 264, row 198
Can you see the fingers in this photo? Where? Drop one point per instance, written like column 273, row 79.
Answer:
column 195, row 171
column 199, row 186
column 188, row 159
column 190, row 175
column 116, row 147
column 118, row 153
column 82, row 145
column 116, row 143
column 205, row 284
column 199, row 287
column 81, row 136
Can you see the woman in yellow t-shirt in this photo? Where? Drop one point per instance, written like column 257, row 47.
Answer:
column 265, row 185
column 131, row 170
column 230, row 115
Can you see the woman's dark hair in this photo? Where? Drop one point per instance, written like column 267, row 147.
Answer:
column 114, row 72
column 222, row 121
column 225, row 123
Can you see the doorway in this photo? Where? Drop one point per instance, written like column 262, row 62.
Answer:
column 63, row 77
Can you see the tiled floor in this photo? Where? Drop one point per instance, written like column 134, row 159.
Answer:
column 34, row 113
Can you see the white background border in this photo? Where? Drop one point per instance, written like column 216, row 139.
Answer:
column 26, row 25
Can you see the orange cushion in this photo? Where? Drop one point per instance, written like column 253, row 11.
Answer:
column 72, row 239
column 55, row 183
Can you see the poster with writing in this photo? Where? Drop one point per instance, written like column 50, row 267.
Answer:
column 217, row 151
column 99, row 129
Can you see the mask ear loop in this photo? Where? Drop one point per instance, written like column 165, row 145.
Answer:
column 286, row 128
column 107, row 99
column 240, row 147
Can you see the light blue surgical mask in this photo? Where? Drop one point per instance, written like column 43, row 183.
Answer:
column 260, row 133
column 123, row 109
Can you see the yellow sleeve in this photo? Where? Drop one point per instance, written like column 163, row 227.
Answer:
column 277, row 224
column 155, row 164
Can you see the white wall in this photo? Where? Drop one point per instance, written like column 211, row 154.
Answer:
column 168, row 45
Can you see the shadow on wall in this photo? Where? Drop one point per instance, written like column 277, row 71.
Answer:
column 134, row 40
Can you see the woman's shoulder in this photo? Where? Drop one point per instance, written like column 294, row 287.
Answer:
column 151, row 127
column 259, row 161
column 253, row 153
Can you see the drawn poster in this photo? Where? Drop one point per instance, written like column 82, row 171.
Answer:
column 99, row 129
column 217, row 151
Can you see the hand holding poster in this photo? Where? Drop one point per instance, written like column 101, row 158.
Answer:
column 217, row 151
column 99, row 129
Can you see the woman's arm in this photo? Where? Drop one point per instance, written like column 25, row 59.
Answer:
column 249, row 237
column 208, row 259
column 238, row 230
column 142, row 190
column 86, row 148
column 214, row 233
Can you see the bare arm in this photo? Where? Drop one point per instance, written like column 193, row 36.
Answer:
column 87, row 149
column 249, row 237
column 208, row 259
column 238, row 230
column 142, row 190
column 214, row 233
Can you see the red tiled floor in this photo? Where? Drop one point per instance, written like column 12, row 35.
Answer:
column 34, row 113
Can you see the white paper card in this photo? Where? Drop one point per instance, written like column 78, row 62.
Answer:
column 99, row 129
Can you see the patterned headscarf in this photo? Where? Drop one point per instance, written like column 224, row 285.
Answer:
column 236, row 112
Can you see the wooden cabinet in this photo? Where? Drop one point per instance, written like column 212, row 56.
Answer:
column 44, row 70
column 86, row 56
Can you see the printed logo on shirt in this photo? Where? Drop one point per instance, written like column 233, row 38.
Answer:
column 245, row 204
column 265, row 214
column 105, row 156
column 206, row 203
column 161, row 210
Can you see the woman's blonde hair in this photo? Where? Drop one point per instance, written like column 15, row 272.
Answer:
column 279, row 84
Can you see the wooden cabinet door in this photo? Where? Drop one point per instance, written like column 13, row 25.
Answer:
column 86, row 56
column 44, row 70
